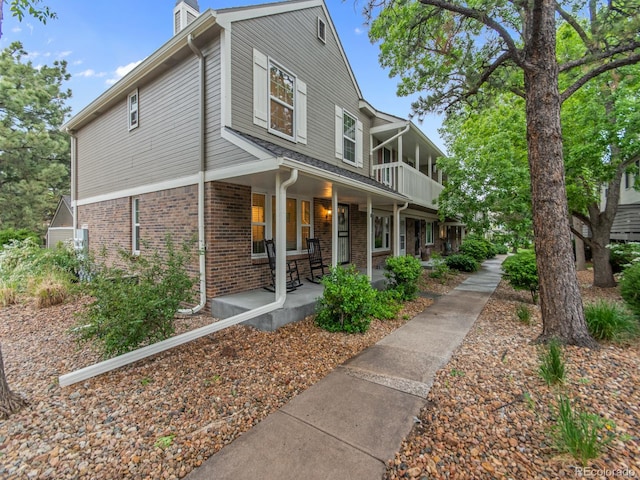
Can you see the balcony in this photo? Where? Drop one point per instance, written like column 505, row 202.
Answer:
column 408, row 181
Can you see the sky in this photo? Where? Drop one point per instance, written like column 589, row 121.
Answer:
column 103, row 40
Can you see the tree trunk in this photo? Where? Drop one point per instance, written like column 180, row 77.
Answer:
column 581, row 262
column 9, row 402
column 560, row 300
column 602, row 270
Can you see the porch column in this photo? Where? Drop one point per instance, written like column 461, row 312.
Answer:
column 430, row 165
column 396, row 230
column 369, row 235
column 334, row 225
column 417, row 156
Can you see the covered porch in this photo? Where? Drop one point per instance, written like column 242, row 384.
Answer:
column 297, row 305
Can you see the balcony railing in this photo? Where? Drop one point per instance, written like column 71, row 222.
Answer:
column 408, row 181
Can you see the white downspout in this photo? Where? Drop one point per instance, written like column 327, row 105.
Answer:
column 369, row 241
column 202, row 162
column 281, row 235
column 74, row 180
column 334, row 225
column 127, row 358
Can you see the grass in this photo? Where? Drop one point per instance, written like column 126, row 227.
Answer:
column 610, row 321
column 523, row 313
column 552, row 365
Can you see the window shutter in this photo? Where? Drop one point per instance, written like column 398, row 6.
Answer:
column 260, row 89
column 339, row 133
column 359, row 144
column 301, row 111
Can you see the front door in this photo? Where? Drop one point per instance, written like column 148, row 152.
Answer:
column 344, row 247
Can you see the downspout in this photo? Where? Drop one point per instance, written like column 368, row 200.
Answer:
column 396, row 222
column 202, row 162
column 281, row 245
column 144, row 352
column 74, row 180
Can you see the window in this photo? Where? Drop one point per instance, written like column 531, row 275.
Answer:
column 322, row 30
column 429, row 234
column 135, row 226
column 133, row 110
column 349, row 137
column 281, row 101
column 381, row 233
column 263, row 222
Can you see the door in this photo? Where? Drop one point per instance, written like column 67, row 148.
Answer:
column 344, row 244
column 403, row 237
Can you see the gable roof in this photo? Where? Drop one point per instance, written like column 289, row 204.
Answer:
column 176, row 48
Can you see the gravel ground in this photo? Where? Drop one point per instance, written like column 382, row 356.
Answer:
column 163, row 416
column 488, row 414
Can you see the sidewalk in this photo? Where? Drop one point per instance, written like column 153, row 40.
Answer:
column 349, row 424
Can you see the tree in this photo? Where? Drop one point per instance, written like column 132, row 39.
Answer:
column 10, row 402
column 457, row 50
column 34, row 153
column 487, row 172
column 21, row 7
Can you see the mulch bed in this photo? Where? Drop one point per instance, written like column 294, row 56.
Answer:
column 488, row 413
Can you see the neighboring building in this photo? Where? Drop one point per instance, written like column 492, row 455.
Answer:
column 241, row 104
column 61, row 227
column 626, row 226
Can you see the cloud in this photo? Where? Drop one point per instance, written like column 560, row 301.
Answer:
column 122, row 71
column 66, row 53
column 89, row 73
column 358, row 31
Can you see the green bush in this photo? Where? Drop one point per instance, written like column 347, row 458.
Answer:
column 522, row 273
column 475, row 248
column 348, row 302
column 580, row 433
column 439, row 268
column 623, row 255
column 387, row 304
column 610, row 321
column 501, row 248
column 9, row 234
column 523, row 313
column 552, row 366
column 630, row 288
column 136, row 305
column 404, row 274
column 462, row 263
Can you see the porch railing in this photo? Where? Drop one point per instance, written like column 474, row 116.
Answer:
column 408, row 181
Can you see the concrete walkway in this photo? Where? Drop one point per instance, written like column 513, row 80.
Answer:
column 349, row 424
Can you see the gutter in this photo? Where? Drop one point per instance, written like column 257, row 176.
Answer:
column 201, row 174
column 144, row 352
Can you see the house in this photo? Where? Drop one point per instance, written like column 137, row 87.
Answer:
column 61, row 226
column 626, row 226
column 248, row 124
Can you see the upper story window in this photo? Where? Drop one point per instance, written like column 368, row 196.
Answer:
column 322, row 30
column 133, row 109
column 279, row 99
column 349, row 137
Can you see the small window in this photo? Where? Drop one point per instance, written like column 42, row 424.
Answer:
column 133, row 110
column 135, row 226
column 429, row 232
column 381, row 233
column 349, row 138
column 258, row 222
column 322, row 30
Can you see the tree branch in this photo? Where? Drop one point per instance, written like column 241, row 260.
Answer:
column 567, row 17
column 602, row 55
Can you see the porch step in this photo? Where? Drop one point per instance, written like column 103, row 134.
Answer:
column 298, row 304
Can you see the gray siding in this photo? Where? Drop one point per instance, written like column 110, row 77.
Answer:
column 291, row 40
column 163, row 147
column 626, row 225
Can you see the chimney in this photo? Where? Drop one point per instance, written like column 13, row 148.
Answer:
column 184, row 13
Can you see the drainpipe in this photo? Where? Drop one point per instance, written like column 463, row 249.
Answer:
column 396, row 228
column 201, row 235
column 281, row 236
column 139, row 354
column 74, row 180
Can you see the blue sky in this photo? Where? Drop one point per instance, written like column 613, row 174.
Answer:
column 103, row 40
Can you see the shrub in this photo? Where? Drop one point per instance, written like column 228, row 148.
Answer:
column 552, row 365
column 439, row 268
column 462, row 263
column 403, row 274
column 630, row 288
column 9, row 234
column 501, row 248
column 623, row 255
column 8, row 295
column 475, row 248
column 580, row 433
column 136, row 305
column 387, row 304
column 521, row 272
column 610, row 321
column 50, row 290
column 348, row 302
